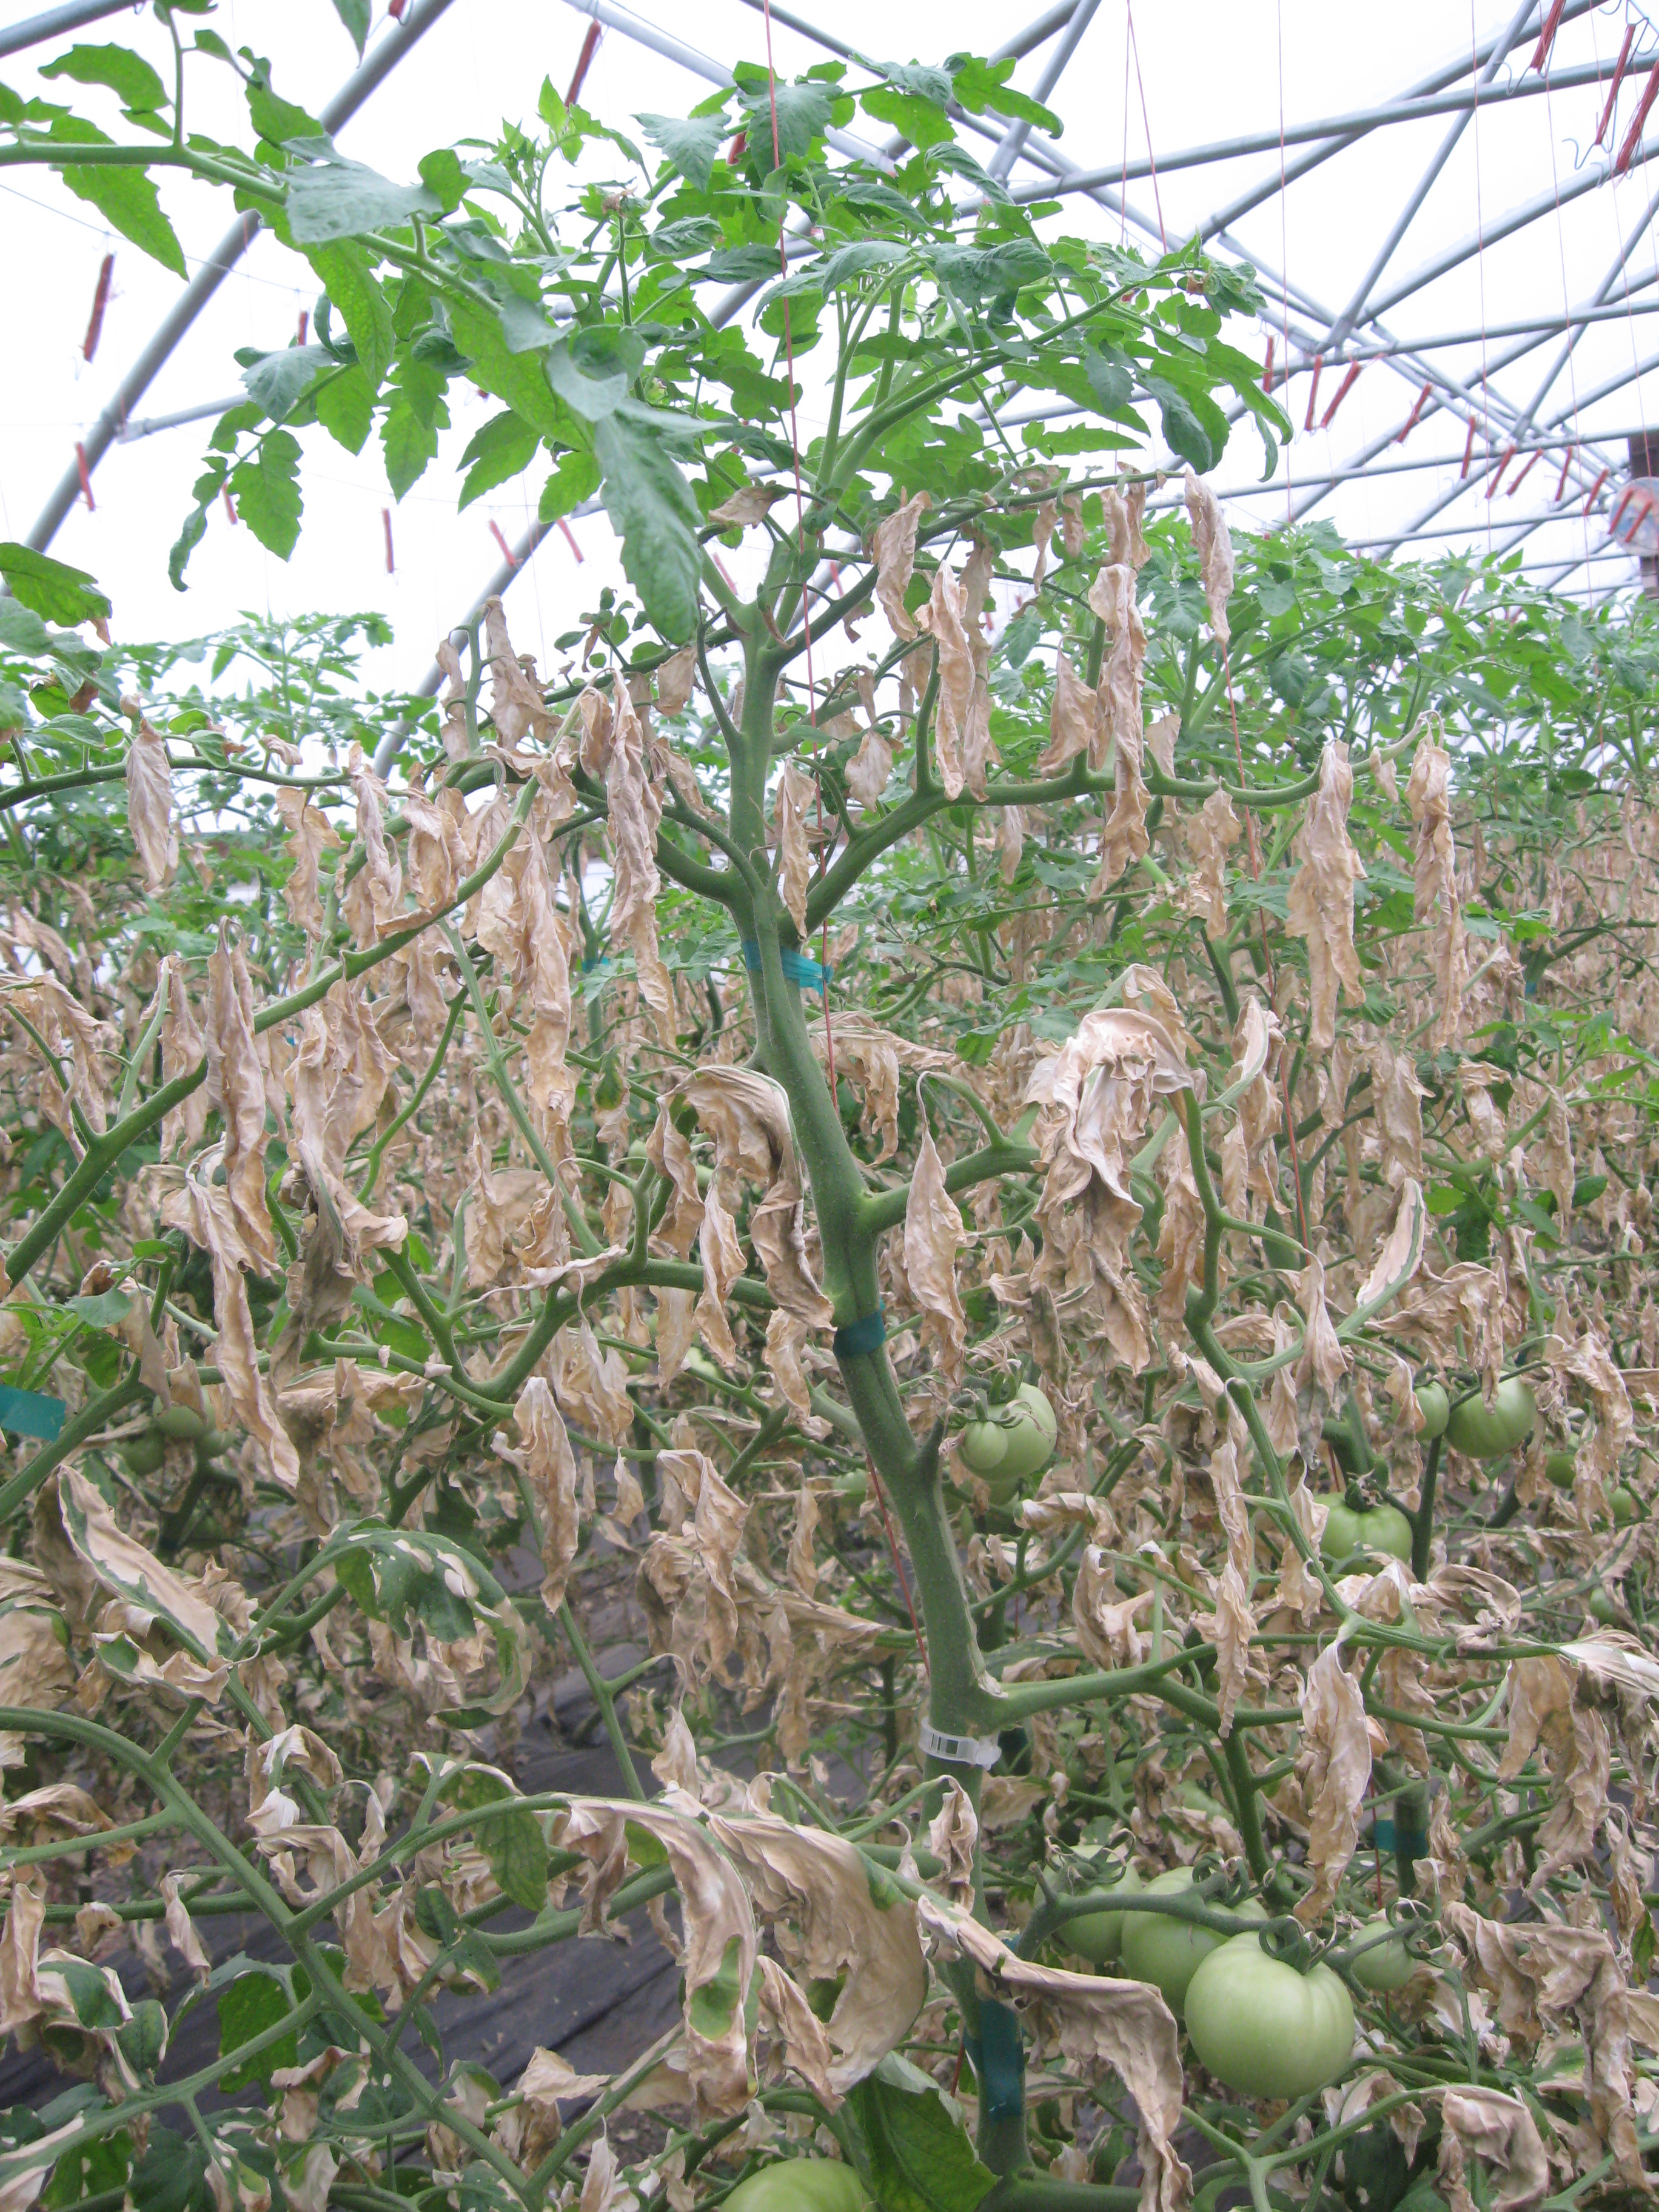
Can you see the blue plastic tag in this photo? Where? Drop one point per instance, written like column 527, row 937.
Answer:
column 861, row 1337
column 797, row 966
column 30, row 1414
column 999, row 2059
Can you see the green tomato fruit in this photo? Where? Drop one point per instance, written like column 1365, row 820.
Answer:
column 1099, row 1936
column 801, row 2184
column 1600, row 1604
column 1488, row 1432
column 1013, row 1443
column 1384, row 1964
column 1435, row 1407
column 1266, row 2029
column 855, row 1488
column 1262, row 2028
column 183, row 1423
column 1169, row 1953
column 1560, row 1467
column 1626, row 1505
column 143, row 1454
column 1384, row 1528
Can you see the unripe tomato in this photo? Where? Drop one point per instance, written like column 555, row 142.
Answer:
column 1435, row 1407
column 1384, row 1529
column 1169, row 1953
column 1602, row 1606
column 1099, row 1936
column 1383, row 1965
column 1627, row 1506
column 1013, row 1443
column 1488, row 1432
column 143, row 1454
column 182, row 1423
column 1262, row 2028
column 1559, row 1469
column 801, row 2184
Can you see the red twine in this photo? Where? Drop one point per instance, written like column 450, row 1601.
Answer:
column 590, row 47
column 1411, row 420
column 1342, row 392
column 1633, row 135
column 1595, row 488
column 1313, row 395
column 86, row 475
column 507, row 554
column 386, row 518
column 1619, row 68
column 100, row 302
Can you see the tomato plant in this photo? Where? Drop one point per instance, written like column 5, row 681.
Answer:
column 961, row 983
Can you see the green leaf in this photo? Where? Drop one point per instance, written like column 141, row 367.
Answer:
column 191, row 532
column 692, row 148
column 348, row 280
column 1184, row 431
column 265, row 487
column 124, row 72
column 915, row 2154
column 804, row 114
column 126, row 198
column 989, row 275
column 921, row 121
column 106, row 1310
column 170, row 2176
column 390, row 1573
column 592, row 370
column 21, row 630
column 511, row 1840
column 354, row 13
column 336, row 199
column 248, row 2006
column 517, row 378
column 345, row 407
column 279, row 380
column 575, row 478
column 443, row 176
column 51, row 588
column 410, row 432
column 653, row 512
column 979, row 85
column 504, row 447
column 279, row 121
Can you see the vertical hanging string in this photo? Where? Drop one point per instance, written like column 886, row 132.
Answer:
column 1284, row 259
column 1566, row 302
column 1480, row 257
column 800, row 527
column 1270, row 972
column 1123, row 179
column 1146, row 124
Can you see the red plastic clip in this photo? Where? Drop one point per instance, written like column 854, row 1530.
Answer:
column 1313, row 394
column 1468, row 449
column 304, row 324
column 507, row 554
column 570, row 540
column 1417, row 409
column 1561, row 486
column 100, row 302
column 1541, row 52
column 1342, row 392
column 385, row 517
column 1619, row 68
column 1267, row 368
column 1508, row 455
column 734, row 152
column 230, row 507
column 1596, row 487
column 1633, row 135
column 590, row 47
column 86, row 475
column 1532, row 462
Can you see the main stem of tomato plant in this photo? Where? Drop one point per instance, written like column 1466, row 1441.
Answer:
column 962, row 1700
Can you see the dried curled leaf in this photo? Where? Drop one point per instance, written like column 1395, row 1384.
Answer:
column 1320, row 905
column 150, row 806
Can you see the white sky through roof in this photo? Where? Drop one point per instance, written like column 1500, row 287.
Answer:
column 1209, row 73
